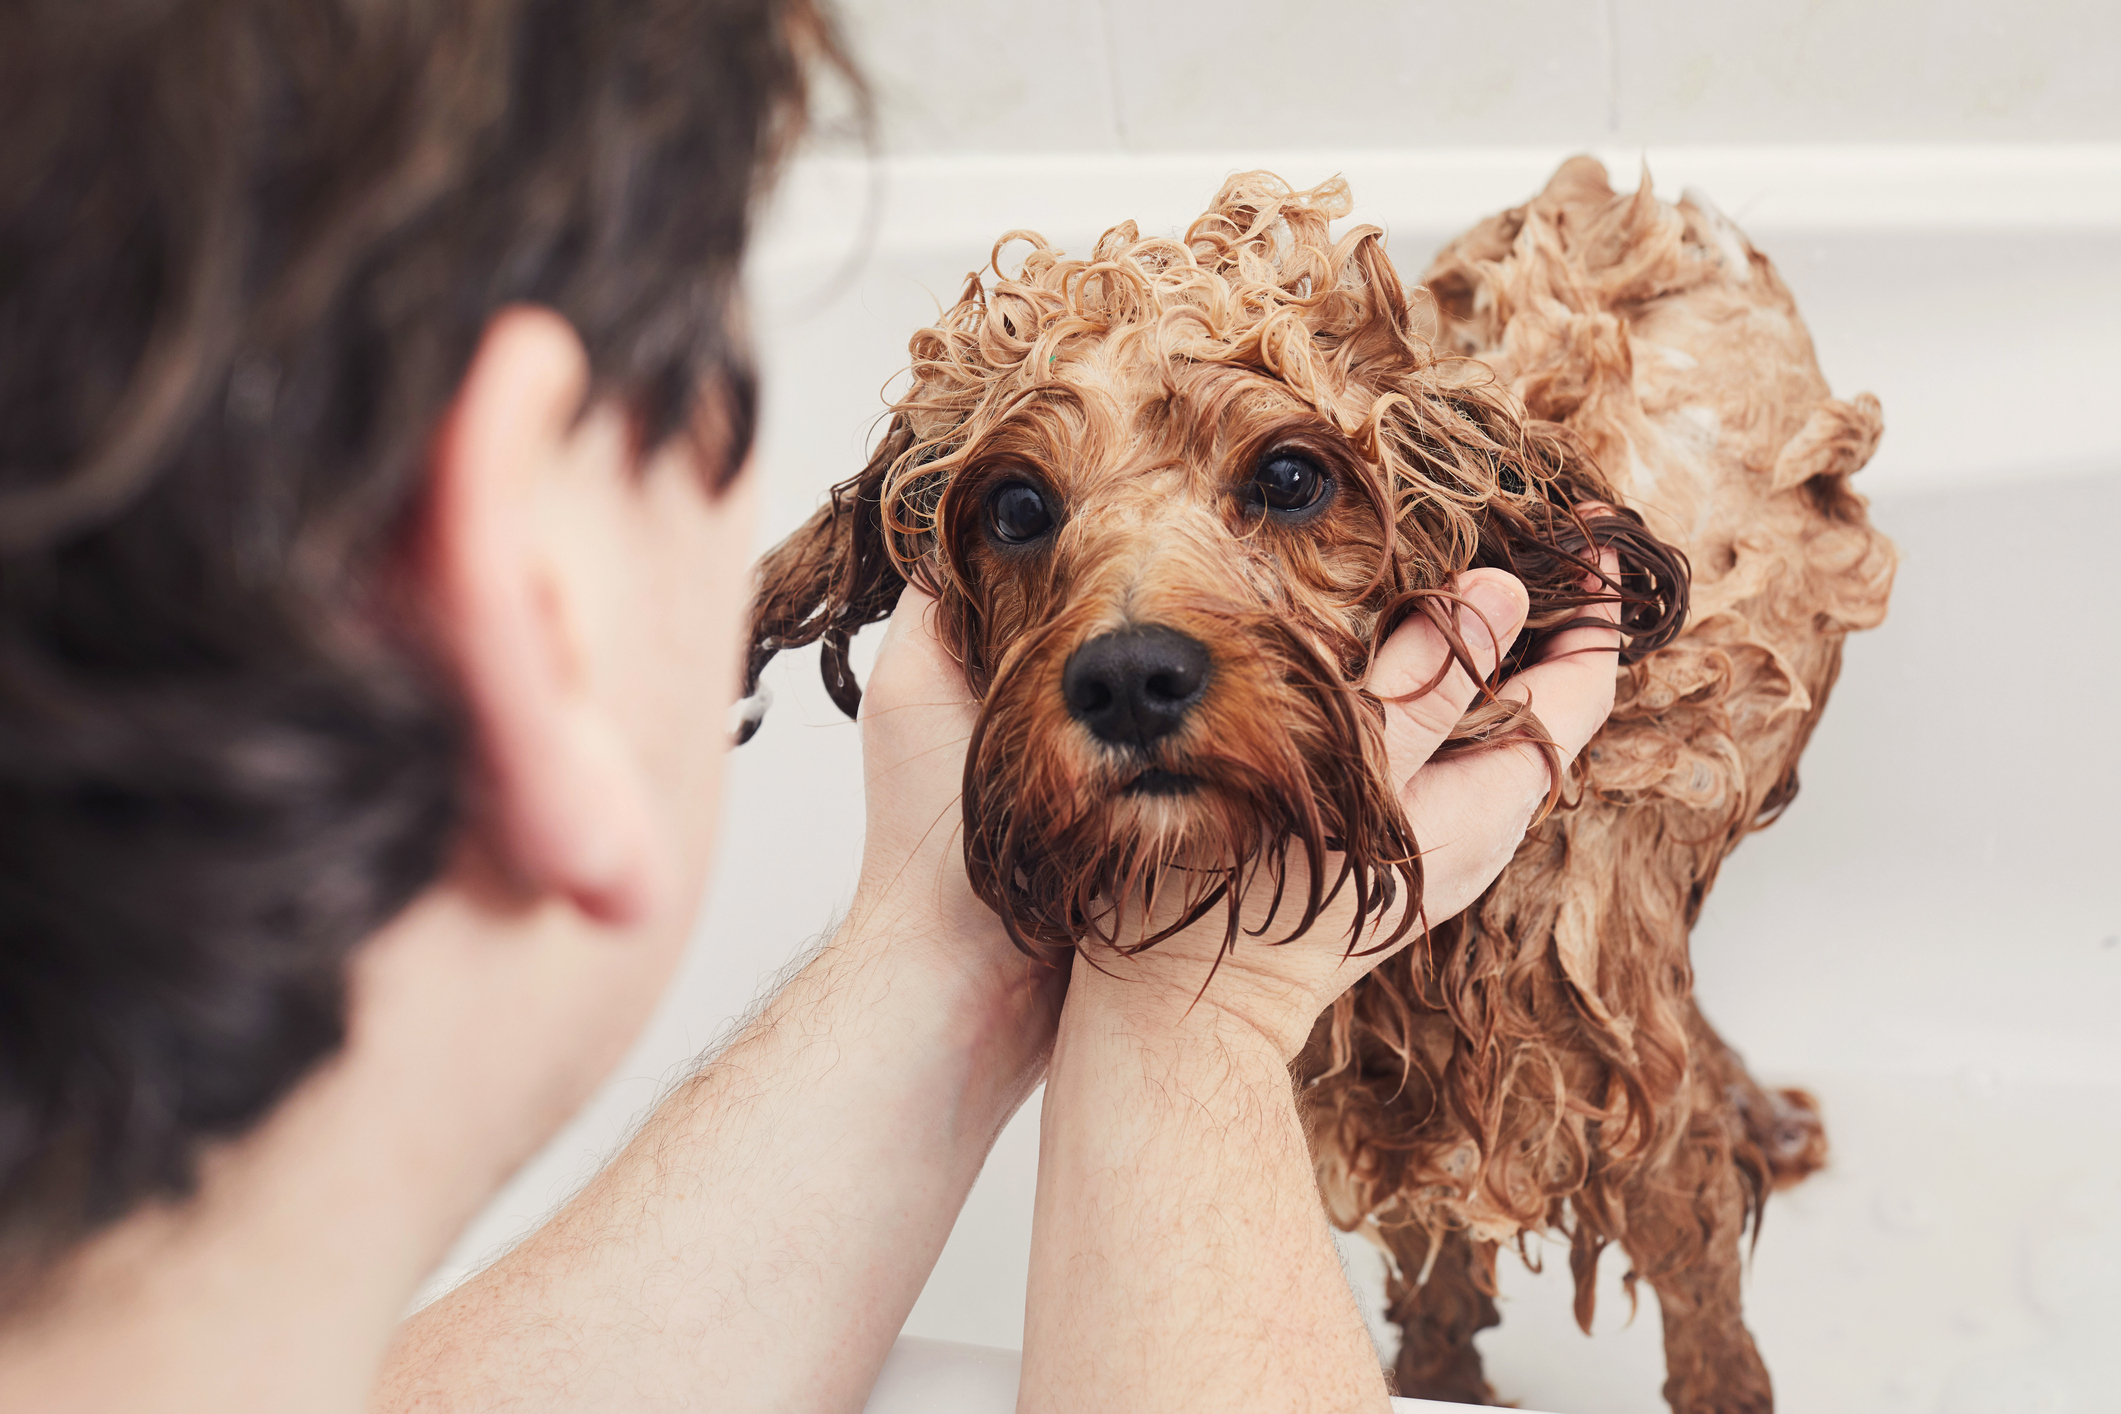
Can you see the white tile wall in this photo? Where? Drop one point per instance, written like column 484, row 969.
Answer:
column 1359, row 73
column 987, row 75
column 1159, row 75
column 1897, row 70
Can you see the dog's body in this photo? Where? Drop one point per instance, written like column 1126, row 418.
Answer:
column 1661, row 339
column 1171, row 498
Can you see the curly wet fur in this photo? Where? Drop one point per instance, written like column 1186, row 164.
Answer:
column 1537, row 1062
column 1254, row 330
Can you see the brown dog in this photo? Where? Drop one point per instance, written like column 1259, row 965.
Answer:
column 1171, row 498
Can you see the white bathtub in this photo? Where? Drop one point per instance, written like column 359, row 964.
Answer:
column 1930, row 940
column 949, row 1377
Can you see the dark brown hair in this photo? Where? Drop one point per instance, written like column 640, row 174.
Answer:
column 247, row 249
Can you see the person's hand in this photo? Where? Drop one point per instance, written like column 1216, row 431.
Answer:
column 1468, row 814
column 917, row 716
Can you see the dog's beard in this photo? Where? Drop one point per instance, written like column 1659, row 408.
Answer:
column 1071, row 842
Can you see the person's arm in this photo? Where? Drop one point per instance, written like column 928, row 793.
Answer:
column 759, row 1243
column 1181, row 1258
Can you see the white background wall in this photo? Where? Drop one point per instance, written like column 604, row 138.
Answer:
column 1170, row 75
column 1932, row 937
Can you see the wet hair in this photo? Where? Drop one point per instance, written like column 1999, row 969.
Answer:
column 247, row 252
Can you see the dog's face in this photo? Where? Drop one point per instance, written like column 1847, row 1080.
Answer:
column 1170, row 499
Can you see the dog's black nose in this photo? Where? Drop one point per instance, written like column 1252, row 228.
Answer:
column 1133, row 685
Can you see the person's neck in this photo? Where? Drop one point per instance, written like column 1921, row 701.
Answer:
column 278, row 1285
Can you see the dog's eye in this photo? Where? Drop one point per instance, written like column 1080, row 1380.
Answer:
column 1286, row 481
column 1018, row 512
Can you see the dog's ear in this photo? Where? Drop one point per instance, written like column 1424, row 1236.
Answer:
column 829, row 580
column 1539, row 529
column 1553, row 545
column 1530, row 477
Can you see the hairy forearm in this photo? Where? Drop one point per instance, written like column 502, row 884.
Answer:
column 1180, row 1257
column 759, row 1243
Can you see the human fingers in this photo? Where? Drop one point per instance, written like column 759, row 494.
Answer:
column 1470, row 812
column 917, row 716
column 913, row 897
column 1417, row 721
column 1571, row 686
column 913, row 667
column 1425, row 693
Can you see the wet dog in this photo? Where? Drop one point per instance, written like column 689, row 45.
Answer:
column 1170, row 499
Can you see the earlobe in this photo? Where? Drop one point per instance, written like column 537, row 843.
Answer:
column 560, row 799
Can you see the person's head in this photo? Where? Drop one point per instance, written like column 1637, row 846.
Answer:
column 373, row 407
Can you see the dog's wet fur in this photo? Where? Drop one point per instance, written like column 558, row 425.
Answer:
column 1172, row 497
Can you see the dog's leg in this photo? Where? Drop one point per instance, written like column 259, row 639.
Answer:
column 1438, row 1317
column 1686, row 1232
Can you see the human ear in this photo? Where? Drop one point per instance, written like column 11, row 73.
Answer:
column 561, row 798
column 829, row 580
